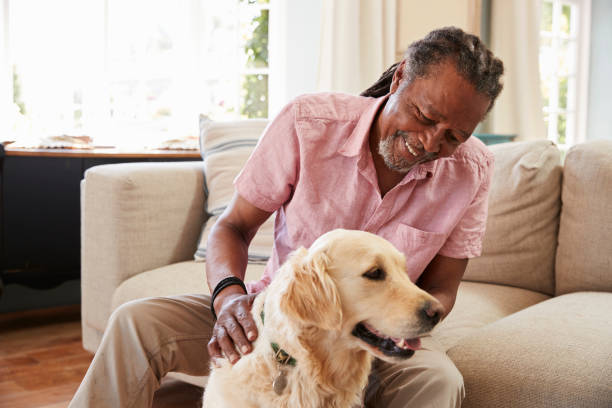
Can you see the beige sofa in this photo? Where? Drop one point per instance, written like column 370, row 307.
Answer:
column 532, row 326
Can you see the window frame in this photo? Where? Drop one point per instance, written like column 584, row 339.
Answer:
column 579, row 106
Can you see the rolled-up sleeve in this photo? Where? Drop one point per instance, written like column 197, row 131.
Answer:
column 268, row 178
column 465, row 241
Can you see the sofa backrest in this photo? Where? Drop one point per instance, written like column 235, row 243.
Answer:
column 584, row 255
column 522, row 225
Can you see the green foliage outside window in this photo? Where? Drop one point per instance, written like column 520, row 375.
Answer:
column 561, row 128
column 17, row 92
column 255, row 87
column 547, row 9
column 257, row 47
column 255, row 92
column 563, row 93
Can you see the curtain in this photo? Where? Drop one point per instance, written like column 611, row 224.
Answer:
column 357, row 43
column 515, row 26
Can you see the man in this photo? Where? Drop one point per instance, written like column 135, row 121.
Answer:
column 402, row 165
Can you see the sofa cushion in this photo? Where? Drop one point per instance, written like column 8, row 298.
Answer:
column 557, row 353
column 225, row 148
column 524, row 204
column 479, row 304
column 176, row 279
column 585, row 232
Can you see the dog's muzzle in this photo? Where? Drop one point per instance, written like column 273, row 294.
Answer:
column 389, row 346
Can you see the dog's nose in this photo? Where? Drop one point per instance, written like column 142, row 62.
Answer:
column 431, row 313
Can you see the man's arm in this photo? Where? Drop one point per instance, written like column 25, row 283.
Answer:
column 441, row 280
column 228, row 243
column 227, row 255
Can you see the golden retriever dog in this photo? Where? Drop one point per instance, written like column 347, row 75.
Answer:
column 328, row 312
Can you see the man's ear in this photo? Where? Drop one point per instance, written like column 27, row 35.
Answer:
column 312, row 297
column 398, row 76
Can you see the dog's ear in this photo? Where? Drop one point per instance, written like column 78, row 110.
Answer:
column 312, row 297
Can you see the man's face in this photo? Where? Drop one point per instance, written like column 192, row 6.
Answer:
column 428, row 118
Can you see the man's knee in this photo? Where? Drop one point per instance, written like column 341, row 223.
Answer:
column 446, row 378
column 135, row 318
column 433, row 382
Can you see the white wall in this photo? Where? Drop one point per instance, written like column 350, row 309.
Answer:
column 599, row 122
column 416, row 18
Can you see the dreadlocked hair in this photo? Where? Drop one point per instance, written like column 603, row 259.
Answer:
column 472, row 59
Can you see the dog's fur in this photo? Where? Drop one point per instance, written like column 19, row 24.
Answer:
column 311, row 309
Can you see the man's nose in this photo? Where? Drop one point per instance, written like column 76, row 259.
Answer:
column 432, row 140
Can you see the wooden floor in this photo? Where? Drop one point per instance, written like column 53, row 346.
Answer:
column 42, row 362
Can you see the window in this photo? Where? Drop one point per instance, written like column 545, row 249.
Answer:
column 136, row 72
column 254, row 27
column 564, row 67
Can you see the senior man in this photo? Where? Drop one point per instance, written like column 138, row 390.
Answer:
column 397, row 161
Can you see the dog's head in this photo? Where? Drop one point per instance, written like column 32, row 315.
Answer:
column 356, row 282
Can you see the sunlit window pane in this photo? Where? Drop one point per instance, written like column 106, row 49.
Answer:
column 547, row 16
column 561, row 128
column 567, row 57
column 546, row 55
column 51, row 64
column 125, row 69
column 563, row 92
column 255, row 94
column 558, row 60
column 256, row 40
column 566, row 11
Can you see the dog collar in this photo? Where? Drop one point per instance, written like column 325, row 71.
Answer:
column 280, row 355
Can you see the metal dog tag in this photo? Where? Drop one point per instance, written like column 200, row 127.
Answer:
column 280, row 382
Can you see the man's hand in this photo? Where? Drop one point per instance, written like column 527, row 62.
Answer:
column 234, row 327
column 227, row 255
column 441, row 279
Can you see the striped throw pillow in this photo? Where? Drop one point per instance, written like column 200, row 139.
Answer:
column 225, row 148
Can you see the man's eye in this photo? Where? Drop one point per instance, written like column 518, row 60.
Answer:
column 452, row 138
column 424, row 118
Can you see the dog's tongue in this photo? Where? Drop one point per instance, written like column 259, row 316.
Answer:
column 414, row 344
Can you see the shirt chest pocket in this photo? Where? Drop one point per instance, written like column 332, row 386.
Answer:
column 419, row 247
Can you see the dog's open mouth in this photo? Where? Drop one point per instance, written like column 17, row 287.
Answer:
column 389, row 346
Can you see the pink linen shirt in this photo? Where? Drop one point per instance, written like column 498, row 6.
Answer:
column 313, row 166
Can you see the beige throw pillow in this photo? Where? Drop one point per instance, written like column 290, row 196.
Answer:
column 584, row 255
column 225, row 148
column 524, row 203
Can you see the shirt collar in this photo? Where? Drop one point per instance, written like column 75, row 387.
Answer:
column 359, row 137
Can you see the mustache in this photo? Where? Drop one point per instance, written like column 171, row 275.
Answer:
column 428, row 156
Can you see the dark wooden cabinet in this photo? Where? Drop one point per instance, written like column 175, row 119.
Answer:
column 40, row 210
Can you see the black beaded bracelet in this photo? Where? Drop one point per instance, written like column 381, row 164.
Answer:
column 224, row 283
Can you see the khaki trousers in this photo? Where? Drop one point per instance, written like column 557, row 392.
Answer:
column 147, row 338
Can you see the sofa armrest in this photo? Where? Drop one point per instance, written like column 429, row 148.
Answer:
column 135, row 217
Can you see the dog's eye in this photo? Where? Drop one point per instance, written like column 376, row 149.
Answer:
column 375, row 274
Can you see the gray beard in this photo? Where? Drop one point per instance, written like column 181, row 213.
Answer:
column 397, row 162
